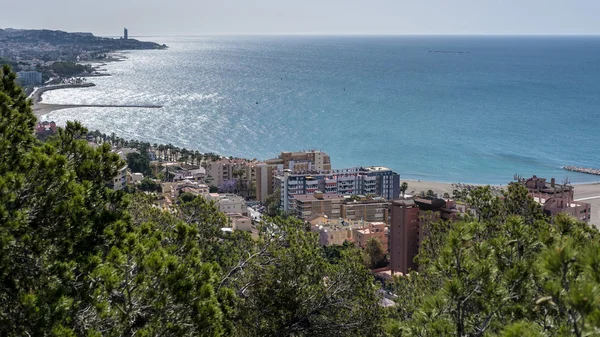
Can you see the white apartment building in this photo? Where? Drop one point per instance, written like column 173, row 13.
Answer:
column 229, row 203
column 120, row 180
column 376, row 180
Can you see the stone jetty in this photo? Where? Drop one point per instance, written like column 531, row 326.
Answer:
column 582, row 170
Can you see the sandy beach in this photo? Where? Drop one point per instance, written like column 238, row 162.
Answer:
column 418, row 186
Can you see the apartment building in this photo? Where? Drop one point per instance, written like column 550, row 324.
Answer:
column 317, row 203
column 227, row 169
column 372, row 181
column 192, row 187
column 120, row 180
column 372, row 230
column 240, row 222
column 334, row 235
column 331, row 205
column 556, row 198
column 264, row 179
column 318, row 160
column 294, row 161
column 229, row 203
column 370, row 210
column 406, row 228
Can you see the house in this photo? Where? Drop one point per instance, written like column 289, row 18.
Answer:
column 240, row 222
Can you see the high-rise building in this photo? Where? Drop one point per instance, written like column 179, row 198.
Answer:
column 406, row 228
column 318, row 203
column 295, row 161
column 125, row 34
column 370, row 181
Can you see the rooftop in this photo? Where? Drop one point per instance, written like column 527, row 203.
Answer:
column 313, row 197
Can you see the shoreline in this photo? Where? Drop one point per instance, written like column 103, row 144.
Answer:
column 40, row 109
column 417, row 186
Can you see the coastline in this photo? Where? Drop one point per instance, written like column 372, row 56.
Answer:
column 40, row 109
column 417, row 186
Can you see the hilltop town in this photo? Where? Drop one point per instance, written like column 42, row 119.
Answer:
column 51, row 56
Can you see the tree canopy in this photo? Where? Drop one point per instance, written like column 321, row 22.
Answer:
column 138, row 162
column 505, row 272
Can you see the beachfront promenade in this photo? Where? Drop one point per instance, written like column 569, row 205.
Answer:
column 40, row 108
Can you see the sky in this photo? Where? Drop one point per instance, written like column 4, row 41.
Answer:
column 201, row 17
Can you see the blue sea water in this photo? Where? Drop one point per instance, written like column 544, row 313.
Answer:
column 454, row 109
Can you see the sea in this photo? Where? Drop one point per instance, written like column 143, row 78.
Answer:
column 470, row 109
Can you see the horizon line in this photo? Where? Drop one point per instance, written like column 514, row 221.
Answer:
column 360, row 35
column 336, row 34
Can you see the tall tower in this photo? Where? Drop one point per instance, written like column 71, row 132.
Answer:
column 404, row 235
column 125, row 35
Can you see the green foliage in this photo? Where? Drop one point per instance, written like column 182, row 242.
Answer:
column 292, row 290
column 480, row 276
column 186, row 197
column 149, row 185
column 333, row 253
column 138, row 162
column 354, row 197
column 272, row 202
column 69, row 69
column 54, row 213
column 374, row 254
column 403, row 187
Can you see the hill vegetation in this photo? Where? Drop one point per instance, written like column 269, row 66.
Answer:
column 78, row 258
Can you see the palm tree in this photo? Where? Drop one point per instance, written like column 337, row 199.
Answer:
column 403, row 188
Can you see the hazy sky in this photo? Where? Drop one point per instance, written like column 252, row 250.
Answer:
column 197, row 17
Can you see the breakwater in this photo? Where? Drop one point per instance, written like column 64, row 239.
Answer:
column 40, row 108
column 587, row 170
column 44, row 108
column 36, row 96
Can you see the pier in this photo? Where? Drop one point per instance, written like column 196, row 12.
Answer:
column 582, row 170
